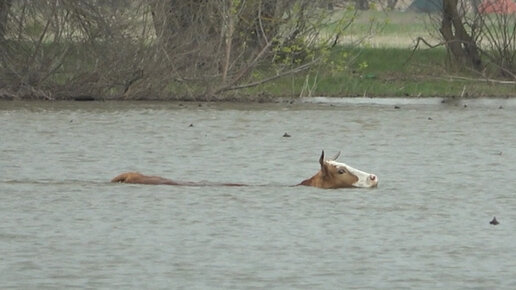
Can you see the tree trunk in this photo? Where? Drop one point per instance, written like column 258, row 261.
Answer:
column 362, row 4
column 5, row 6
column 475, row 4
column 173, row 17
column 463, row 48
column 391, row 4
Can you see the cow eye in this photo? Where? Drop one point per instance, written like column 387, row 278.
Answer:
column 342, row 171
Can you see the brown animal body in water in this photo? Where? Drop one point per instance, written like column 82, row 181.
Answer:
column 138, row 178
column 331, row 175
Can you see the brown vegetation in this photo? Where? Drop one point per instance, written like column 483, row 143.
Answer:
column 159, row 49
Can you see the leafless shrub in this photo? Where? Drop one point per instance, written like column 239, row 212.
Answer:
column 497, row 38
column 483, row 42
column 158, row 48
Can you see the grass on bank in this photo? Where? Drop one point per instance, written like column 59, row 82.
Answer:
column 387, row 72
column 384, row 65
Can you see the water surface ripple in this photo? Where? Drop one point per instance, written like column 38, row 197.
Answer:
column 445, row 170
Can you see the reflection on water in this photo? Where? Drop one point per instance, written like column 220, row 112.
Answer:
column 445, row 170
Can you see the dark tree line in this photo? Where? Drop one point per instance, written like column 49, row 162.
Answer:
column 157, row 48
column 201, row 49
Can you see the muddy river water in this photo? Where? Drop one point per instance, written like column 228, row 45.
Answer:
column 444, row 169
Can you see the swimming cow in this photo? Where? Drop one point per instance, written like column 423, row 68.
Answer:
column 332, row 175
column 339, row 175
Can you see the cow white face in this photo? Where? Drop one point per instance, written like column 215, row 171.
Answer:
column 343, row 175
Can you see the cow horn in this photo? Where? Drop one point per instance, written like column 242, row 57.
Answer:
column 336, row 156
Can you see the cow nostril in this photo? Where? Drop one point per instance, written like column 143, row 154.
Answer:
column 372, row 177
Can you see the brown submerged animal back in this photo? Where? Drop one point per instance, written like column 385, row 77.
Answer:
column 136, row 177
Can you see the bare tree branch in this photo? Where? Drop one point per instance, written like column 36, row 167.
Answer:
column 265, row 80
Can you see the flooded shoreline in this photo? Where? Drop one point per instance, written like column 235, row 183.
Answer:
column 481, row 101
